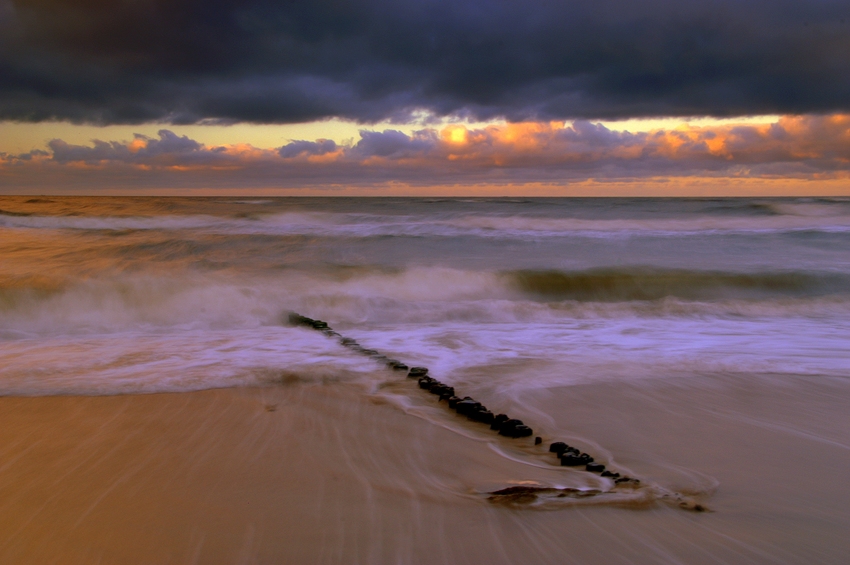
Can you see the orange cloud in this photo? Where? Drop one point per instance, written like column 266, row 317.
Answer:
column 798, row 148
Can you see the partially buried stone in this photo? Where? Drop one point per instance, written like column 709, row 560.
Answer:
column 347, row 341
column 453, row 400
column 498, row 420
column 558, row 447
column 483, row 416
column 425, row 382
column 607, row 473
column 398, row 366
column 515, row 429
column 418, row 372
column 595, row 467
column 538, row 440
column 299, row 320
column 319, row 325
column 466, row 407
column 571, row 460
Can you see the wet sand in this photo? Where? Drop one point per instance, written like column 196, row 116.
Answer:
column 332, row 473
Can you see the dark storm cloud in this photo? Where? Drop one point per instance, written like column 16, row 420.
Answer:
column 141, row 151
column 395, row 144
column 186, row 61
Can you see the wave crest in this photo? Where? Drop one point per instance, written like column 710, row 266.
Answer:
column 607, row 285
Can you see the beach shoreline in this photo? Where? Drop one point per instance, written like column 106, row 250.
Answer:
column 308, row 473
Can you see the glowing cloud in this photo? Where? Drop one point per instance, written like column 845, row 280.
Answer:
column 802, row 148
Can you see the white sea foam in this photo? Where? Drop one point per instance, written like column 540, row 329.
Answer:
column 195, row 299
column 788, row 218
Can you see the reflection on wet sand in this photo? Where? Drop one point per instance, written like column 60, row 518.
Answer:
column 337, row 474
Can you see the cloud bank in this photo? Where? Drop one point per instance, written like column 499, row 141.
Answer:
column 265, row 61
column 804, row 148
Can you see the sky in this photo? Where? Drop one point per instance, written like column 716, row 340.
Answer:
column 425, row 97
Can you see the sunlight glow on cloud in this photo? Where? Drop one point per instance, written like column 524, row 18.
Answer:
column 805, row 148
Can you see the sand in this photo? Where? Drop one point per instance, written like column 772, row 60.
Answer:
column 333, row 473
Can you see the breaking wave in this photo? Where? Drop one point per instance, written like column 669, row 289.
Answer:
column 611, row 285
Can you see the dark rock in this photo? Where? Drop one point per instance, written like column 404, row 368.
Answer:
column 498, row 421
column 447, row 396
column 370, row 352
column 607, row 473
column 521, row 490
column 294, row 319
column 418, row 372
column 538, row 440
column 483, row 416
column 425, row 382
column 558, row 447
column 466, row 407
column 518, row 495
column 572, row 460
column 515, row 429
column 586, row 457
column 347, row 341
column 397, row 366
column 511, row 423
column 453, row 402
column 299, row 320
column 319, row 325
column 595, row 467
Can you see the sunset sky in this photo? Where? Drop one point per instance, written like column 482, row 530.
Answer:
column 426, row 97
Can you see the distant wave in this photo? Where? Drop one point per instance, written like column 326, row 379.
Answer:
column 14, row 214
column 783, row 218
column 653, row 284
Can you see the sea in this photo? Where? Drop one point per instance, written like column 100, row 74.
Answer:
column 118, row 295
column 674, row 336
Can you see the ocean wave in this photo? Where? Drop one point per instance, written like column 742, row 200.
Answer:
column 144, row 333
column 643, row 284
column 794, row 218
column 421, row 295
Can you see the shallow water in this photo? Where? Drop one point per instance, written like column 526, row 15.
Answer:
column 697, row 344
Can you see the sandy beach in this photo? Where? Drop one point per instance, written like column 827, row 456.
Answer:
column 306, row 473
